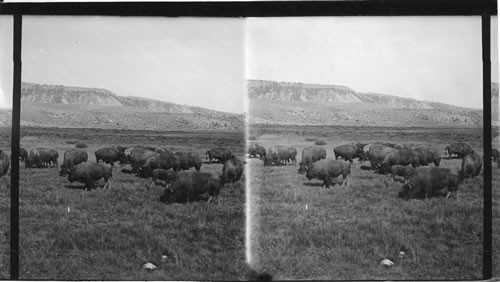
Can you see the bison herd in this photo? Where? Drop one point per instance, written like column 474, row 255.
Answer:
column 421, row 180
column 182, row 184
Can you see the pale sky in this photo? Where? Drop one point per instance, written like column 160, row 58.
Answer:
column 426, row 58
column 190, row 61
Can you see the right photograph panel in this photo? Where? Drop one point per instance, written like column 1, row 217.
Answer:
column 365, row 147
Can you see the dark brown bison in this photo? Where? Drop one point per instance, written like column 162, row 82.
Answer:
column 185, row 161
column 232, row 171
column 41, row 157
column 259, row 151
column 428, row 156
column 23, row 154
column 429, row 181
column 460, row 149
column 88, row 173
column 189, row 185
column 72, row 158
column 326, row 170
column 403, row 171
column 471, row 166
column 220, row 154
column 348, row 152
column 402, row 156
column 376, row 154
column 138, row 157
column 311, row 155
column 4, row 164
column 160, row 160
column 280, row 155
column 495, row 154
column 110, row 155
column 166, row 175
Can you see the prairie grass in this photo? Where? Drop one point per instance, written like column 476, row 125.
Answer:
column 67, row 233
column 304, row 231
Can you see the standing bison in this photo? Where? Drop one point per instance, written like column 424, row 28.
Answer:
column 402, row 170
column 138, row 157
column 189, row 185
column 161, row 160
column 88, row 173
column 72, row 158
column 429, row 181
column 460, row 149
column 471, row 166
column 41, row 157
column 232, row 171
column 326, row 170
column 309, row 156
column 428, row 156
column 402, row 156
column 348, row 152
column 110, row 155
column 220, row 154
column 279, row 155
column 185, row 161
column 163, row 174
column 23, row 154
column 260, row 151
column 4, row 164
column 495, row 154
column 377, row 153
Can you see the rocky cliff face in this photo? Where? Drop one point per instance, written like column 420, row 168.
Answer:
column 59, row 94
column 274, row 102
column 78, row 107
column 331, row 94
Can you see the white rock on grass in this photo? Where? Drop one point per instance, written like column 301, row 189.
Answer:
column 386, row 262
column 149, row 266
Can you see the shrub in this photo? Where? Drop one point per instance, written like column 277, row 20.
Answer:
column 71, row 142
column 81, row 145
column 320, row 142
column 309, row 139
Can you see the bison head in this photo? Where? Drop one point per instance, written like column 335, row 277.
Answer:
column 167, row 196
column 302, row 168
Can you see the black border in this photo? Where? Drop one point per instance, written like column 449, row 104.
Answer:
column 260, row 8
column 483, row 8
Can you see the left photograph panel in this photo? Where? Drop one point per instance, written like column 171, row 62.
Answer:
column 6, row 70
column 134, row 140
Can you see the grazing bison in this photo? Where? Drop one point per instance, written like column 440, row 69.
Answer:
column 495, row 154
column 278, row 155
column 88, row 173
column 348, row 152
column 166, row 175
column 376, row 154
column 185, row 161
column 232, row 171
column 109, row 155
column 429, row 181
column 460, row 149
column 220, row 154
column 4, row 164
column 471, row 166
column 41, row 157
column 311, row 155
column 327, row 169
column 403, row 171
column 138, row 157
column 23, row 154
column 189, row 185
column 428, row 156
column 161, row 160
column 72, row 158
column 260, row 151
column 402, row 156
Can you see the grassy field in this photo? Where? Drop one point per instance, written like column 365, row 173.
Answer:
column 303, row 231
column 67, row 233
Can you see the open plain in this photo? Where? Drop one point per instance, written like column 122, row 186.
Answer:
column 301, row 230
column 68, row 233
